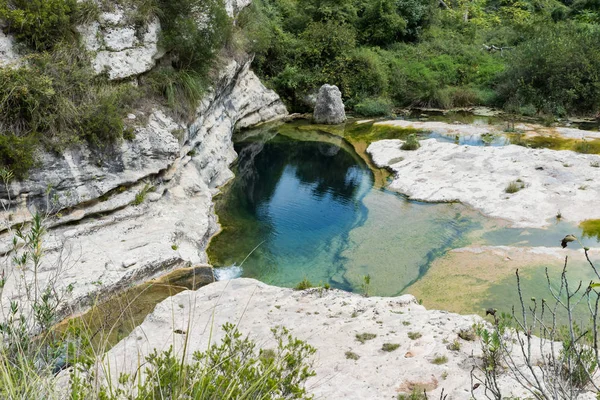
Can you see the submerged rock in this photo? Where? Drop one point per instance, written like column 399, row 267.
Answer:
column 330, row 107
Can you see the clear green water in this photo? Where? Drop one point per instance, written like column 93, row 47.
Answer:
column 312, row 210
column 303, row 205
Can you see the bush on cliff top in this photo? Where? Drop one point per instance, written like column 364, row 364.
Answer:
column 41, row 24
column 55, row 98
column 57, row 101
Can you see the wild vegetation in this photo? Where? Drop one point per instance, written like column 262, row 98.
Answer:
column 55, row 99
column 528, row 56
column 34, row 352
column 563, row 330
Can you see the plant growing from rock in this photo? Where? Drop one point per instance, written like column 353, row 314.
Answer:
column 454, row 346
column 515, row 186
column 569, row 354
column 411, row 143
column 366, row 285
column 439, row 360
column 363, row 337
column 389, row 347
column 414, row 335
column 303, row 284
column 33, row 351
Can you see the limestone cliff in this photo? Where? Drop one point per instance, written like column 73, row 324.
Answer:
column 100, row 238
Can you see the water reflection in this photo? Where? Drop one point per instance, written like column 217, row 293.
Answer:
column 313, row 212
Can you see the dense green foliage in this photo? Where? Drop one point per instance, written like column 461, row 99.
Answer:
column 539, row 55
column 57, row 100
column 41, row 24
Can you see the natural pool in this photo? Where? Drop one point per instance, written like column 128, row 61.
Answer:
column 305, row 204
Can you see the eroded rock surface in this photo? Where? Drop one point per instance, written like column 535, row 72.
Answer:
column 478, row 129
column 329, row 320
column 102, row 240
column 329, row 108
column 8, row 54
column 120, row 47
column 553, row 181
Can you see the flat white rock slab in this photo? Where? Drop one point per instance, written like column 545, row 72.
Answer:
column 555, row 181
column 329, row 321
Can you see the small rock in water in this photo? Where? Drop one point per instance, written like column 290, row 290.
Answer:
column 330, row 107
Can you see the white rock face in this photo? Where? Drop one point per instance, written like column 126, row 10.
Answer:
column 8, row 55
column 554, row 181
column 235, row 6
column 115, row 243
column 330, row 321
column 119, row 47
column 478, row 129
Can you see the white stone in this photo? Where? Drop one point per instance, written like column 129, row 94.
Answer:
column 118, row 39
column 179, row 210
column 116, row 47
column 235, row 6
column 554, row 181
column 8, row 55
column 329, row 321
column 329, row 108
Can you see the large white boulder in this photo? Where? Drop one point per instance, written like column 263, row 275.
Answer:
column 329, row 109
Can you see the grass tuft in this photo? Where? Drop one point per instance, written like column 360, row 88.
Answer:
column 515, row 186
column 304, row 284
column 439, row 360
column 363, row 337
column 411, row 143
column 389, row 347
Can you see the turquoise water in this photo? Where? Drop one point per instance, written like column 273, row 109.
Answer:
column 303, row 205
column 308, row 209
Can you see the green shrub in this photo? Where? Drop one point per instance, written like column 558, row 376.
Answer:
column 232, row 369
column 528, row 110
column 304, row 284
column 181, row 90
column 34, row 350
column 389, row 347
column 556, row 70
column 439, row 360
column 411, row 143
column 17, row 154
column 514, row 187
column 41, row 24
column 363, row 337
column 414, row 335
column 374, row 107
column 416, row 394
column 58, row 99
column 467, row 334
column 454, row 346
column 25, row 94
column 194, row 45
